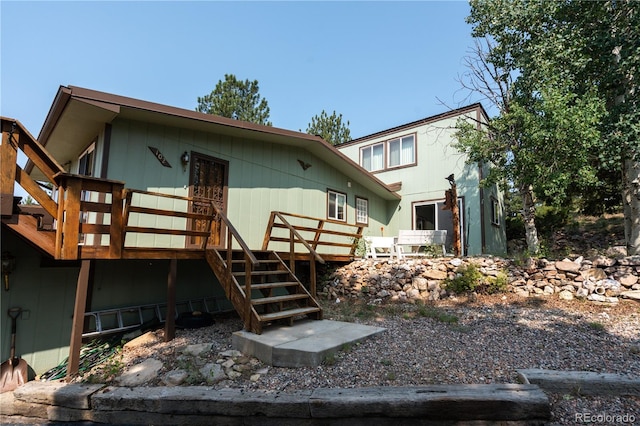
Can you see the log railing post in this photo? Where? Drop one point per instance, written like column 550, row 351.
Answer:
column 116, row 240
column 8, row 158
column 247, row 289
column 312, row 272
column 71, row 225
column 292, row 252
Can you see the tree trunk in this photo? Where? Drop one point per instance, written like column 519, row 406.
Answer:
column 631, row 204
column 529, row 219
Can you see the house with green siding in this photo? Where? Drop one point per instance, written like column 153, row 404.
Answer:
column 255, row 180
column 416, row 159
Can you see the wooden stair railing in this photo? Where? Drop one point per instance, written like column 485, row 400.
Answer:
column 322, row 243
column 15, row 137
column 259, row 284
column 295, row 237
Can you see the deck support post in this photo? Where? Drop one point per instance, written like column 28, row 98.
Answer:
column 312, row 274
column 78, row 319
column 170, row 321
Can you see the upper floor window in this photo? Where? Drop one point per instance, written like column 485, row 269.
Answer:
column 402, row 151
column 337, row 206
column 389, row 154
column 372, row 157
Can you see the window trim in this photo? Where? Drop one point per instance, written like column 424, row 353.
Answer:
column 495, row 212
column 366, row 201
column 386, row 153
column 370, row 147
column 337, row 193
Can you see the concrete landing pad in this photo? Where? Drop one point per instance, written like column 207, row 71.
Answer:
column 305, row 344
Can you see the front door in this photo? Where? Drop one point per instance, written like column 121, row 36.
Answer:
column 207, row 183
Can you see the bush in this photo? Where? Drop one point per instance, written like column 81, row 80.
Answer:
column 469, row 279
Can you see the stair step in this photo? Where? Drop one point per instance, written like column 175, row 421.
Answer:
column 262, row 261
column 278, row 299
column 273, row 285
column 260, row 273
column 288, row 314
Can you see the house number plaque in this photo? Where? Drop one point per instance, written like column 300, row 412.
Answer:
column 161, row 158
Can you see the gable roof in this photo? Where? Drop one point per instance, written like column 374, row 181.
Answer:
column 477, row 107
column 79, row 113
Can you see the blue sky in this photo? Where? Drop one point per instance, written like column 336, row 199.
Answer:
column 379, row 64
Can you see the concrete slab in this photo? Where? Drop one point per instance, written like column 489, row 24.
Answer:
column 305, row 344
column 581, row 382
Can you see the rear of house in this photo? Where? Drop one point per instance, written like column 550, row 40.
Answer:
column 416, row 159
column 376, row 185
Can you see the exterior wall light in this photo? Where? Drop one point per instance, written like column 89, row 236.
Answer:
column 8, row 266
column 184, row 159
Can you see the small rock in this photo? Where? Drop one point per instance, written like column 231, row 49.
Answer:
column 567, row 266
column 631, row 294
column 254, row 377
column 230, row 353
column 565, row 295
column 175, row 377
column 212, row 373
column 198, row 349
column 234, row 374
column 141, row 373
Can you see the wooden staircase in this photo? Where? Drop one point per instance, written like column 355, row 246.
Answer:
column 275, row 293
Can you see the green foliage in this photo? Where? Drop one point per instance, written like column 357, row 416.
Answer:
column 469, row 279
column 497, row 284
column 108, row 371
column 466, row 280
column 550, row 218
column 233, row 98
column 570, row 118
column 362, row 247
column 597, row 326
column 331, row 128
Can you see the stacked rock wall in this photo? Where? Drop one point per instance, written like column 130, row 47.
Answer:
column 601, row 279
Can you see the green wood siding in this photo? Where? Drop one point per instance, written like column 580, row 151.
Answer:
column 263, row 176
column 426, row 181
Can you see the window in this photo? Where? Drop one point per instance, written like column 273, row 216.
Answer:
column 495, row 211
column 372, row 157
column 85, row 167
column 337, row 208
column 86, row 160
column 387, row 155
column 362, row 210
column 401, row 151
column 430, row 215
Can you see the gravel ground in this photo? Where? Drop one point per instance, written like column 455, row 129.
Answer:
column 454, row 342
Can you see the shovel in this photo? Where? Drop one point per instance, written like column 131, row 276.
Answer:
column 14, row 371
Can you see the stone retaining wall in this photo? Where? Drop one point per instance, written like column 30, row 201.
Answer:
column 601, row 279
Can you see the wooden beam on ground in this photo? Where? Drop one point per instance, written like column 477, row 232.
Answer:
column 78, row 319
column 170, row 321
